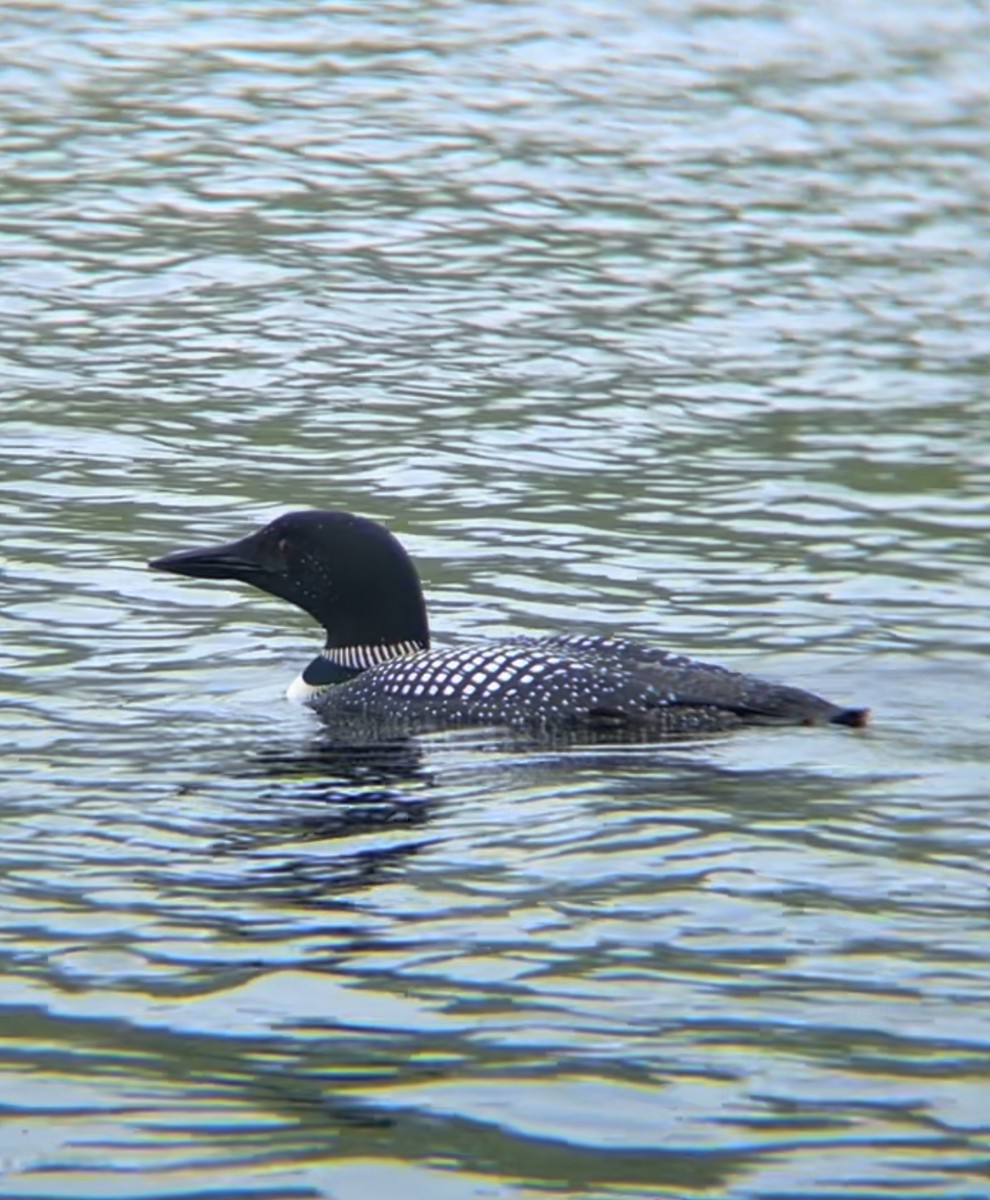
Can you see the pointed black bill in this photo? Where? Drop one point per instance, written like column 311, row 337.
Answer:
column 231, row 561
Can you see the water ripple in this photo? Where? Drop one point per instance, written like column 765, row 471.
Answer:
column 668, row 322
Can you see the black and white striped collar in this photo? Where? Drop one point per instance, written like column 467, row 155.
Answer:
column 359, row 658
column 339, row 664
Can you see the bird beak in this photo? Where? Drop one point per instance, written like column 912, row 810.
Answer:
column 235, row 560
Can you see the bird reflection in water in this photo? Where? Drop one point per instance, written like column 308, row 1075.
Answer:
column 330, row 792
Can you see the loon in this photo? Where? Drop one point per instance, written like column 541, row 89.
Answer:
column 355, row 578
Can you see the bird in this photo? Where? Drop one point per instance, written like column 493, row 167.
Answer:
column 378, row 669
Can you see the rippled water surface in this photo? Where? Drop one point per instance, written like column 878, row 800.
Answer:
column 664, row 318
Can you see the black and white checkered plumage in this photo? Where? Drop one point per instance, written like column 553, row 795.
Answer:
column 377, row 668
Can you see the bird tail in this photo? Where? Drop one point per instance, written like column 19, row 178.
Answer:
column 855, row 718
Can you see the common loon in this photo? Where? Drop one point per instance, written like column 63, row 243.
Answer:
column 356, row 579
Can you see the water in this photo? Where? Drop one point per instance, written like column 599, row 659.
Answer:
column 663, row 319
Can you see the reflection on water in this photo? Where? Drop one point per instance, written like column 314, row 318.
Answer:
column 664, row 322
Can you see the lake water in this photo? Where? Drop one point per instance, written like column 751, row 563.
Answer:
column 670, row 319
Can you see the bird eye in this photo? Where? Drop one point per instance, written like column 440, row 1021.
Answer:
column 283, row 547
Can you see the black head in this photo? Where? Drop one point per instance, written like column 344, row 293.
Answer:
column 348, row 572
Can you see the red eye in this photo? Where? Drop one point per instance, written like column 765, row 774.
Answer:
column 283, row 547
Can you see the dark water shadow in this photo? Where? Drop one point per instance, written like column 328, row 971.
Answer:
column 334, row 815
column 299, row 1106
